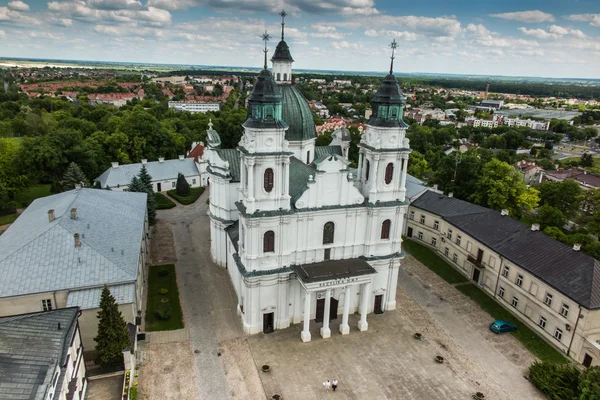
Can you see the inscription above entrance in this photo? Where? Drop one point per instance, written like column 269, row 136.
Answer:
column 340, row 281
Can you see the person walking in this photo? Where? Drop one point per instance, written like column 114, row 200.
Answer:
column 334, row 384
column 326, row 385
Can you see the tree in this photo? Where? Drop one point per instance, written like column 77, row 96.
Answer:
column 550, row 216
column 146, row 179
column 183, row 187
column 501, row 187
column 555, row 233
column 73, row 176
column 417, row 165
column 586, row 160
column 113, row 335
column 557, row 381
column 143, row 184
column 589, row 384
column 565, row 196
column 136, row 185
column 10, row 177
column 324, row 139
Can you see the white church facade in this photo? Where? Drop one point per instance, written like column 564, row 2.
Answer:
column 306, row 238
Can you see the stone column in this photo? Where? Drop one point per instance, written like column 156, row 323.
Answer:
column 325, row 331
column 250, row 180
column 364, row 303
column 404, row 170
column 305, row 335
column 344, row 327
column 360, row 166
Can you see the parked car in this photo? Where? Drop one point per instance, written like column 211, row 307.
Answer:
column 502, row 326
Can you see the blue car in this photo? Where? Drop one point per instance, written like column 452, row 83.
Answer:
column 502, row 326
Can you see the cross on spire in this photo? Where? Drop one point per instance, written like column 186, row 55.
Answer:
column 394, row 46
column 266, row 37
column 283, row 15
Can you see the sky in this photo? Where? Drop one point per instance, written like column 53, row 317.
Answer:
column 548, row 38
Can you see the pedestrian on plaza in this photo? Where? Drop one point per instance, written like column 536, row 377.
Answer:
column 334, row 384
column 326, row 385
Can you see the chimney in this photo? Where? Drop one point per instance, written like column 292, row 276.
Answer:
column 181, row 157
column 59, row 328
column 577, row 247
column 77, row 240
column 144, row 161
column 535, row 227
column 50, row 215
column 435, row 187
column 504, row 212
column 77, row 186
column 115, row 164
column 161, row 159
column 73, row 213
column 451, row 195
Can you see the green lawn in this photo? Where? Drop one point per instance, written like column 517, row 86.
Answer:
column 27, row 196
column 163, row 202
column 434, row 262
column 154, row 299
column 8, row 219
column 185, row 200
column 529, row 338
column 596, row 161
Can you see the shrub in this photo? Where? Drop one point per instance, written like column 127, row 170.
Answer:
column 183, row 187
column 557, row 381
column 164, row 312
column 163, row 291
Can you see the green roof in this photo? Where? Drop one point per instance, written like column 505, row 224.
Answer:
column 323, row 150
column 299, row 173
column 297, row 114
column 232, row 156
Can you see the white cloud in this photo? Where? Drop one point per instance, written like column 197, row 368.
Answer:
column 45, row 35
column 16, row 17
column 437, row 26
column 18, row 5
column 478, row 30
column 407, row 36
column 323, row 28
column 129, row 31
column 2, row 34
column 526, row 16
column 507, row 42
column 115, row 4
column 593, row 19
column 329, row 35
column 553, row 32
column 80, row 10
column 538, row 33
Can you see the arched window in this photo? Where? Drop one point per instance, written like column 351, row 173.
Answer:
column 385, row 229
column 328, row 231
column 368, row 167
column 393, row 112
column 268, row 181
column 269, row 242
column 285, row 77
column 278, row 77
column 268, row 111
column 389, row 173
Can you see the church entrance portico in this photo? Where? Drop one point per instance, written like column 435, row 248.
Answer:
column 323, row 279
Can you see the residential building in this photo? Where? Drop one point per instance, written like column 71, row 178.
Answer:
column 494, row 104
column 115, row 99
column 484, row 123
column 164, row 174
column 64, row 248
column 529, row 123
column 42, row 356
column 195, row 106
column 303, row 236
column 175, row 80
column 585, row 179
column 550, row 286
column 530, row 172
column 343, row 83
column 197, row 152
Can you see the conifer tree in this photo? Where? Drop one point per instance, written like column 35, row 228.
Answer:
column 143, row 184
column 183, row 187
column 113, row 335
column 146, row 179
column 73, row 176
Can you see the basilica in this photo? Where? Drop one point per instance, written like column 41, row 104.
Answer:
column 305, row 237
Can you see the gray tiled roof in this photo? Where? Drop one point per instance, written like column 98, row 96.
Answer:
column 31, row 347
column 299, row 173
column 232, row 156
column 414, row 186
column 234, row 233
column 40, row 256
column 90, row 297
column 323, row 150
column 573, row 273
column 159, row 171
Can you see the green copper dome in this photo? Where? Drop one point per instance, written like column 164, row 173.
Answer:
column 297, row 115
column 264, row 103
column 388, row 104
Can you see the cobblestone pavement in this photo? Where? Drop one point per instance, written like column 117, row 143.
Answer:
column 497, row 363
column 105, row 388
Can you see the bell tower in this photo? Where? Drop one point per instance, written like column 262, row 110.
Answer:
column 282, row 58
column 265, row 156
column 384, row 148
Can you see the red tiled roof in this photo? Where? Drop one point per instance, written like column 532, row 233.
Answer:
column 196, row 153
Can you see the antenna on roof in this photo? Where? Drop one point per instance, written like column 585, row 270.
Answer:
column 283, row 15
column 393, row 45
column 266, row 37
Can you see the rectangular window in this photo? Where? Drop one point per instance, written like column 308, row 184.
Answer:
column 422, row 219
column 449, row 234
column 446, row 251
column 548, row 300
column 433, row 241
column 519, row 280
column 505, row 271
column 455, row 258
column 514, row 302
column 458, row 239
column 558, row 334
column 564, row 310
column 420, row 235
column 47, row 305
column 436, row 225
column 412, row 215
column 542, row 322
column 327, row 254
column 194, row 181
column 173, row 185
column 501, row 292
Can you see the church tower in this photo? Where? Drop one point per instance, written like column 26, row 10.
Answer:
column 265, row 155
column 384, row 148
column 282, row 58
